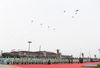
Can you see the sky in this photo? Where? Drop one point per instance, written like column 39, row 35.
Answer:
column 71, row 32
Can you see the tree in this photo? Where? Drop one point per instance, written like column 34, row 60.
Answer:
column 5, row 55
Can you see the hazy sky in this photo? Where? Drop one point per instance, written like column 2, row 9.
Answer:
column 72, row 35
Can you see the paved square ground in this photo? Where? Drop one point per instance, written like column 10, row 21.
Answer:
column 5, row 66
column 75, row 65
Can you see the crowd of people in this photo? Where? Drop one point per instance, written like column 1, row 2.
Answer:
column 41, row 61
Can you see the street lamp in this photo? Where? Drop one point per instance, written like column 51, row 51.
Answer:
column 29, row 48
column 29, row 45
column 99, row 50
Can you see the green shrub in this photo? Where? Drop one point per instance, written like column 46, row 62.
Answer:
column 98, row 65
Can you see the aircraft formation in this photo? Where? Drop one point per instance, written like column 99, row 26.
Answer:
column 75, row 13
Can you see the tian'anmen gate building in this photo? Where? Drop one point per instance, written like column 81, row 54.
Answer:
column 40, row 54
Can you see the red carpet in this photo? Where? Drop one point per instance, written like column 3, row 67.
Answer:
column 75, row 65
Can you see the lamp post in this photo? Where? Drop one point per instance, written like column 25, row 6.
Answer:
column 82, row 55
column 99, row 50
column 29, row 47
